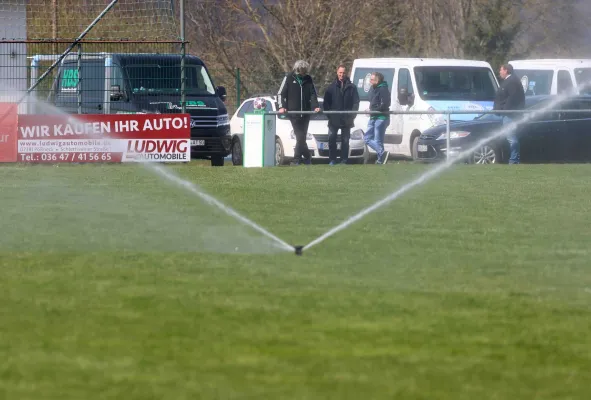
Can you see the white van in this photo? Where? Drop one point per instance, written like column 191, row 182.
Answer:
column 553, row 76
column 424, row 84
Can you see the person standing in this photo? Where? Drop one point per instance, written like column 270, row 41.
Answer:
column 379, row 100
column 298, row 93
column 341, row 95
column 510, row 96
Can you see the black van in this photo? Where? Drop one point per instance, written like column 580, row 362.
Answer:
column 148, row 83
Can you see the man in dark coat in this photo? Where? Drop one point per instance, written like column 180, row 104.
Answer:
column 297, row 93
column 510, row 96
column 341, row 95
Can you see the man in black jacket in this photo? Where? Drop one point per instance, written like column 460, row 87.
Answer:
column 341, row 95
column 379, row 100
column 510, row 96
column 297, row 93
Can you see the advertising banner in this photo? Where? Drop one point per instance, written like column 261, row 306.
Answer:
column 103, row 138
column 8, row 125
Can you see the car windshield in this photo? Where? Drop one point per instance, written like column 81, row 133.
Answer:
column 455, row 83
column 535, row 81
column 530, row 104
column 583, row 77
column 154, row 78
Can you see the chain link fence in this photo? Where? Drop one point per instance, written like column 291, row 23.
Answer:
column 84, row 72
column 46, row 43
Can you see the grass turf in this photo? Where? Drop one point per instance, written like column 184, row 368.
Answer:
column 475, row 285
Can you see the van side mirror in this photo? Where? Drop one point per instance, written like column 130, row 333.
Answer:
column 116, row 93
column 221, row 92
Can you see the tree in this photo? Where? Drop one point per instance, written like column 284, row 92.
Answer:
column 492, row 32
column 264, row 38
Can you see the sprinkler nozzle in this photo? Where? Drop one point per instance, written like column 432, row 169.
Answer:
column 298, row 250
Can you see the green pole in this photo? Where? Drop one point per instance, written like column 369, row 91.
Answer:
column 183, row 56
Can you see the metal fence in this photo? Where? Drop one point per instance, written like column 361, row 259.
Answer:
column 518, row 118
column 29, row 78
column 37, row 71
column 38, row 33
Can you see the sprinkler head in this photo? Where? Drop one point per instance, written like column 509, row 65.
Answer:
column 298, row 250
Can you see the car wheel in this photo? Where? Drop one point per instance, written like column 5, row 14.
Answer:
column 236, row 152
column 279, row 154
column 486, row 154
column 217, row 161
column 414, row 148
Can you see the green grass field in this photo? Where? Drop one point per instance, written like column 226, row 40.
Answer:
column 116, row 285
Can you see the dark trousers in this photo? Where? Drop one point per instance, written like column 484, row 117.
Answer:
column 300, row 130
column 332, row 143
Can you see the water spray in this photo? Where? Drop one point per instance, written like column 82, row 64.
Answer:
column 193, row 188
column 440, row 168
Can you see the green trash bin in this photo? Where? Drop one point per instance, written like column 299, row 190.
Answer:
column 259, row 140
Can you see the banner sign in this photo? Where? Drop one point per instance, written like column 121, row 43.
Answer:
column 8, row 126
column 103, row 138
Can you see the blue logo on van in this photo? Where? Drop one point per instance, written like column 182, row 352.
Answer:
column 462, row 106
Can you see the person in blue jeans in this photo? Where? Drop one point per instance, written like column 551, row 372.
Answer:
column 510, row 96
column 379, row 100
column 514, row 150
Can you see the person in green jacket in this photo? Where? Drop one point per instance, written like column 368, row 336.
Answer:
column 379, row 100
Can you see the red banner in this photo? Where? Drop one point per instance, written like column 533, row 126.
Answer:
column 8, row 125
column 104, row 138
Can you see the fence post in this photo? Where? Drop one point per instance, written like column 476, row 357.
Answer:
column 447, row 123
column 237, row 83
column 79, row 82
column 183, row 56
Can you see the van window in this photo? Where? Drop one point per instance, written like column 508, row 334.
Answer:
column 583, row 77
column 564, row 82
column 362, row 76
column 404, row 80
column 535, row 81
column 153, row 78
column 91, row 78
column 117, row 77
column 455, row 83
